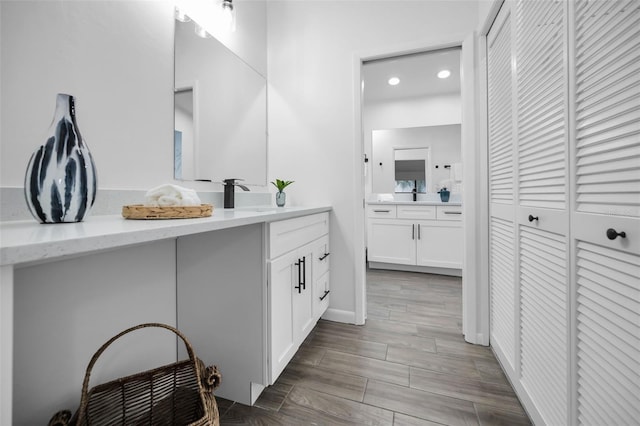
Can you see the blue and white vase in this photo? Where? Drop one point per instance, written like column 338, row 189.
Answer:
column 60, row 183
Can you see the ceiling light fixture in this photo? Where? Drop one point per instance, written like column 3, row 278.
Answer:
column 444, row 74
column 229, row 14
column 393, row 81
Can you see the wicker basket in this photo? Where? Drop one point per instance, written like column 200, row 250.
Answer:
column 176, row 394
column 139, row 211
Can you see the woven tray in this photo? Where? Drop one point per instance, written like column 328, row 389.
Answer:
column 139, row 211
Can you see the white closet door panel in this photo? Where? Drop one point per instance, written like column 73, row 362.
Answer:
column 500, row 115
column 543, row 300
column 502, row 211
column 608, row 334
column 608, row 107
column 608, row 30
column 542, row 93
column 593, row 228
column 503, row 322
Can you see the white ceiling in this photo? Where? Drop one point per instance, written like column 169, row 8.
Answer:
column 417, row 74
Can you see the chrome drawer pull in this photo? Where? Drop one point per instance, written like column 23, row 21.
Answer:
column 382, row 211
column 452, row 212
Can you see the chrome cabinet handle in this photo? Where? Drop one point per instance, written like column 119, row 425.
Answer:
column 413, row 231
column 382, row 211
column 418, row 231
column 452, row 212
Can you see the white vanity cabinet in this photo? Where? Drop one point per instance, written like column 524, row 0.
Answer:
column 298, row 284
column 415, row 235
column 226, row 281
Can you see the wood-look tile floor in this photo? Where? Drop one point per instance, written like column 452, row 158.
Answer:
column 408, row 365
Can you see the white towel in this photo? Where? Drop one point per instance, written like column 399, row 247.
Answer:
column 385, row 197
column 456, row 172
column 171, row 195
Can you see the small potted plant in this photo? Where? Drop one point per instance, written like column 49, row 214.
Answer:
column 281, row 197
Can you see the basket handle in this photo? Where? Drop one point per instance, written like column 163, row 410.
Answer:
column 85, row 383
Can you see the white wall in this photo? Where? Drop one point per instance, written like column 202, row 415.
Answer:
column 116, row 58
column 311, row 48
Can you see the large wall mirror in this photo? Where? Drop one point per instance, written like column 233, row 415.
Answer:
column 220, row 108
column 415, row 157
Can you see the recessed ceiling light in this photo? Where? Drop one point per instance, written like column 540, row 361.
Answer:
column 394, row 81
column 444, row 74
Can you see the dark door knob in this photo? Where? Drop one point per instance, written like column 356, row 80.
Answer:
column 612, row 234
column 532, row 218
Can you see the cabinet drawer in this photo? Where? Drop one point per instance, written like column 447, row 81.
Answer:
column 287, row 235
column 381, row 211
column 417, row 212
column 449, row 213
column 321, row 290
column 321, row 256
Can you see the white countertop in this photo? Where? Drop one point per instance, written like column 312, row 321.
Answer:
column 28, row 241
column 413, row 203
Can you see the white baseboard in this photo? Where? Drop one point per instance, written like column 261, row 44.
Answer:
column 337, row 315
column 478, row 339
column 413, row 268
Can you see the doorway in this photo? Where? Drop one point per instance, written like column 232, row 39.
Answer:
column 411, row 119
column 475, row 322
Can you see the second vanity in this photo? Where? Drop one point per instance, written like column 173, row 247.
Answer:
column 245, row 285
column 418, row 236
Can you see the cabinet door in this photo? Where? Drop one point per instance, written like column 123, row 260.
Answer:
column 302, row 294
column 541, row 196
column 282, row 276
column 321, row 257
column 392, row 241
column 439, row 244
column 502, row 235
column 606, row 196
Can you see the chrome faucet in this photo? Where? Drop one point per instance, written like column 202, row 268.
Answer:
column 229, row 191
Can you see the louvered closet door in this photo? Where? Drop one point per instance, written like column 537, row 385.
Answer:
column 606, row 168
column 501, row 189
column 542, row 214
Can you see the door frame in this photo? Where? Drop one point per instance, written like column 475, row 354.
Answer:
column 475, row 289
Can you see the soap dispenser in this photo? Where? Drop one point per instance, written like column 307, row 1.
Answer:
column 229, row 191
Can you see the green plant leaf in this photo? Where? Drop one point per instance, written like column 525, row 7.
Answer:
column 281, row 184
